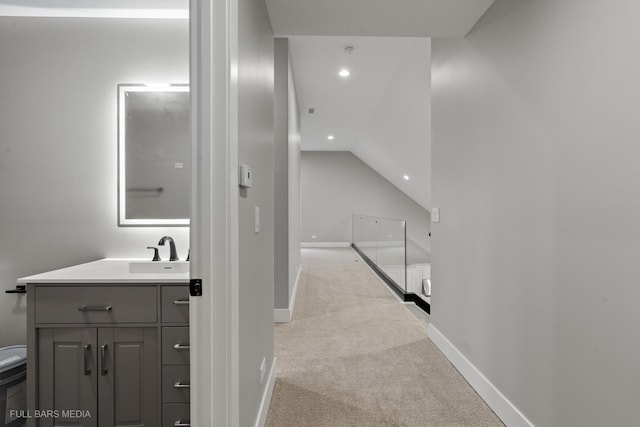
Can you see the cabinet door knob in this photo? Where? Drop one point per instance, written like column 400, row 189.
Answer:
column 103, row 357
column 87, row 348
column 180, row 423
column 181, row 346
column 181, row 301
column 180, row 384
column 95, row 308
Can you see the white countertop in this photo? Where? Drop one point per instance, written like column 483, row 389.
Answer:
column 108, row 270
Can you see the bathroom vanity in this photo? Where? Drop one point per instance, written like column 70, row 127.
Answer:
column 108, row 345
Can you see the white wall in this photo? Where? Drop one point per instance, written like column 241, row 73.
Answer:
column 336, row 184
column 287, row 177
column 255, row 148
column 58, row 143
column 535, row 169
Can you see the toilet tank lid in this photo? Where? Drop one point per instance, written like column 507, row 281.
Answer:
column 12, row 357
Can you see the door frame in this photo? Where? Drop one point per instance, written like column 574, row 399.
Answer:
column 214, row 321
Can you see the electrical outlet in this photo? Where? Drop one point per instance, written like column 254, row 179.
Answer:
column 263, row 369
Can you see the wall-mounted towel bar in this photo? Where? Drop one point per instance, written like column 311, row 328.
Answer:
column 20, row 289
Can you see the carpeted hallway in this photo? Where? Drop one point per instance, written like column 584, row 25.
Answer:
column 353, row 355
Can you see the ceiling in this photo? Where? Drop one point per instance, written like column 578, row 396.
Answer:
column 381, row 112
column 170, row 9
column 408, row 18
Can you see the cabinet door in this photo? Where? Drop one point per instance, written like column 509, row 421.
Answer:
column 67, row 362
column 128, row 377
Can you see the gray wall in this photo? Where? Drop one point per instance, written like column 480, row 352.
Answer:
column 58, row 143
column 287, row 177
column 336, row 184
column 535, row 169
column 255, row 148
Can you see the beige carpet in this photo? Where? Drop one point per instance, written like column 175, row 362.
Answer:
column 353, row 355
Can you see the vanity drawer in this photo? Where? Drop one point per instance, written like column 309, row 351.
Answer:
column 175, row 415
column 175, row 384
column 96, row 304
column 175, row 304
column 175, row 345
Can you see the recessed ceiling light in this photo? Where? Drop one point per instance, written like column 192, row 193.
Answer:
column 331, row 137
column 344, row 73
column 406, row 177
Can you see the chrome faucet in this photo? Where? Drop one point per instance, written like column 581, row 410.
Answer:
column 173, row 254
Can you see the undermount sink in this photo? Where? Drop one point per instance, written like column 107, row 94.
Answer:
column 159, row 267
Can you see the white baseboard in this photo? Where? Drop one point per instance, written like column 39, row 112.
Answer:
column 263, row 411
column 325, row 244
column 292, row 303
column 283, row 315
column 504, row 409
column 386, row 244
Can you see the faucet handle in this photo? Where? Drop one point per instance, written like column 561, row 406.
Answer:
column 156, row 253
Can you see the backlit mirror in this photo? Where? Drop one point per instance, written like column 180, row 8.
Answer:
column 153, row 155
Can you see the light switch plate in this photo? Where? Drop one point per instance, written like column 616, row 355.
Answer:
column 435, row 215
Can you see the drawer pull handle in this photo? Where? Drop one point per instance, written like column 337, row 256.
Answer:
column 181, row 346
column 95, row 308
column 103, row 357
column 181, row 301
column 181, row 423
column 87, row 348
column 180, row 384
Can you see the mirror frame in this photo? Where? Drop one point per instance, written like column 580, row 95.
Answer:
column 123, row 221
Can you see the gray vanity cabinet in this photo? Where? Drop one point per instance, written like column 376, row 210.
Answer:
column 109, row 372
column 67, row 374
column 127, row 377
column 175, row 356
column 98, row 349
